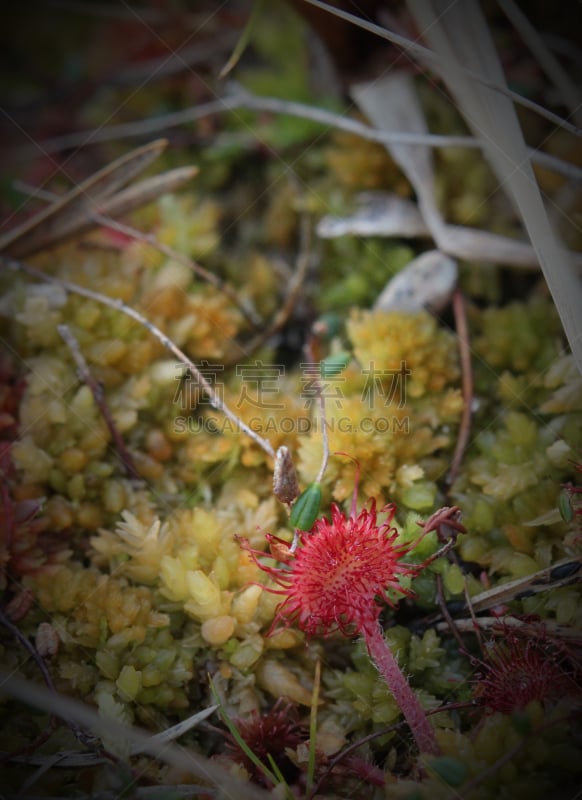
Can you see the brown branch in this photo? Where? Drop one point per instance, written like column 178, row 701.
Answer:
column 98, row 396
column 242, row 99
column 445, row 612
column 184, row 760
column 166, row 342
column 421, row 54
column 33, row 652
column 467, row 381
column 128, row 200
column 309, row 352
column 197, row 269
column 474, row 620
column 375, row 735
column 475, row 782
column 68, row 215
column 295, row 285
column 476, row 625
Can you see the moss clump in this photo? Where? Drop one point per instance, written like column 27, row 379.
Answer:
column 134, row 587
column 384, row 340
column 343, row 286
column 521, row 337
column 357, row 165
column 393, row 410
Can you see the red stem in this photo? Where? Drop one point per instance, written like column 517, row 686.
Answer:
column 407, row 701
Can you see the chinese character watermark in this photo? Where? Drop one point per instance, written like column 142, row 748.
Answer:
column 190, row 393
column 260, row 381
column 314, row 385
column 260, row 385
column 387, row 383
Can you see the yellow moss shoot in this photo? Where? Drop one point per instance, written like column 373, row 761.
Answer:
column 218, row 630
column 245, row 603
column 204, row 600
column 279, row 681
column 383, row 340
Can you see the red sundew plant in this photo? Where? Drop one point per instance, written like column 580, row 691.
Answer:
column 337, row 579
column 518, row 670
column 269, row 734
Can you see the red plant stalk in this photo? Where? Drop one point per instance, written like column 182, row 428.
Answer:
column 336, row 580
column 387, row 666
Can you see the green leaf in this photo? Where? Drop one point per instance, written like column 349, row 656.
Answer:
column 565, row 507
column 306, row 508
column 333, row 365
column 238, row 738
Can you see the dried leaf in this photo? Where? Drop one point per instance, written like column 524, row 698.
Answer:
column 73, row 213
column 391, row 103
column 458, row 33
column 427, row 282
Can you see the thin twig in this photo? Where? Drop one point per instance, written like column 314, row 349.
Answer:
column 493, row 768
column 25, row 754
column 277, row 106
column 440, row 597
column 295, row 285
column 475, row 782
column 476, row 625
column 71, row 759
column 442, row 551
column 467, row 382
column 310, row 355
column 149, row 239
column 170, row 252
column 375, row 735
column 215, row 401
column 350, row 749
column 563, row 84
column 97, row 392
column 185, row 761
column 241, row 99
column 142, row 127
column 29, row 647
column 474, row 621
column 425, row 55
column 33, row 652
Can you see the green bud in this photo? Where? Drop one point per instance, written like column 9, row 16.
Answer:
column 306, row 508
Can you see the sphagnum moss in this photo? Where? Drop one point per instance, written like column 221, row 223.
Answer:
column 143, row 583
column 169, row 590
